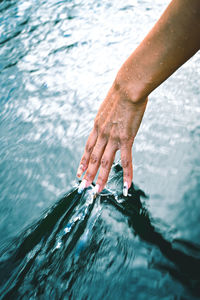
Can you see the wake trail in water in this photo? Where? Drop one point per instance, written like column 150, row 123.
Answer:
column 87, row 247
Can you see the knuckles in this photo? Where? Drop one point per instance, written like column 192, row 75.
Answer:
column 103, row 133
column 125, row 163
column 89, row 176
column 101, row 181
column 127, row 175
column 96, row 125
column 88, row 148
column 124, row 140
column 114, row 139
column 105, row 163
column 83, row 161
column 93, row 158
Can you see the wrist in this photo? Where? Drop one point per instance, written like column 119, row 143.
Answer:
column 130, row 88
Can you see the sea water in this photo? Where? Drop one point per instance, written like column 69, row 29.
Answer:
column 57, row 62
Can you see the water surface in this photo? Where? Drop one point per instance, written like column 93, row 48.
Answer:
column 57, row 61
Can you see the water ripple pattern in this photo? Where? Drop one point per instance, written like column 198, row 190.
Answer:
column 57, row 61
column 88, row 247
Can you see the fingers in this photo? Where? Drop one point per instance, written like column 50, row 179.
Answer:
column 87, row 153
column 126, row 161
column 106, row 164
column 100, row 152
column 95, row 160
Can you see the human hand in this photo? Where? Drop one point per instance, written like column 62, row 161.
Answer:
column 169, row 44
column 115, row 128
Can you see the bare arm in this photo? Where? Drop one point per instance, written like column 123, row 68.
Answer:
column 170, row 43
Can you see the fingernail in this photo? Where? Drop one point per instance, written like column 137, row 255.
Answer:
column 125, row 189
column 82, row 186
column 96, row 189
column 80, row 171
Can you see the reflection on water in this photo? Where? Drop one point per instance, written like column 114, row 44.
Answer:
column 99, row 248
column 57, row 61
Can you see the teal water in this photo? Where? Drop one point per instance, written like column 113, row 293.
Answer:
column 57, row 61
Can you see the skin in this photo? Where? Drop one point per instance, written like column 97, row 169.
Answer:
column 170, row 43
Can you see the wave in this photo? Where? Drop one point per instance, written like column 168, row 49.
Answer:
column 88, row 247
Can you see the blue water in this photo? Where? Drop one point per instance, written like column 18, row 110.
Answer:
column 57, row 62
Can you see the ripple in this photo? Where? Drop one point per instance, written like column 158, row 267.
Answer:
column 57, row 62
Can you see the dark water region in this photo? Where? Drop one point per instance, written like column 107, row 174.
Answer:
column 57, row 61
column 101, row 247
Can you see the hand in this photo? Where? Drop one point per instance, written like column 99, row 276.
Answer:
column 170, row 43
column 115, row 128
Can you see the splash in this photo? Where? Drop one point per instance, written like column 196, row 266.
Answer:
column 92, row 247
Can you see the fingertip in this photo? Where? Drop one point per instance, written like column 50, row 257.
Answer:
column 82, row 186
column 88, row 177
column 96, row 189
column 79, row 174
column 126, row 185
column 100, row 186
column 80, row 170
column 125, row 189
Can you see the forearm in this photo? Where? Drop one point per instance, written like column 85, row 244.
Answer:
column 170, row 43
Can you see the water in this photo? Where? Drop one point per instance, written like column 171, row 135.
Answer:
column 57, row 61
column 99, row 248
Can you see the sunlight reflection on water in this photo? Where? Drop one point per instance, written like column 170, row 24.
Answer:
column 57, row 62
